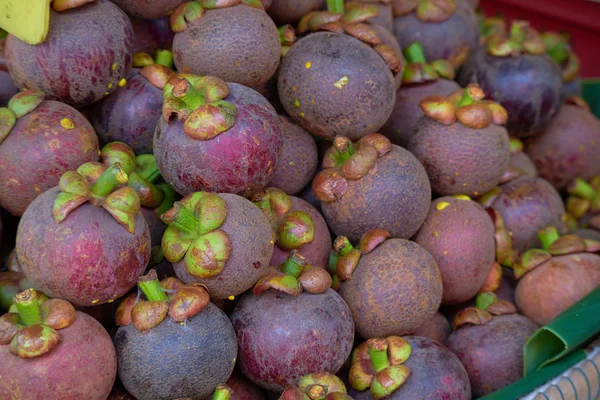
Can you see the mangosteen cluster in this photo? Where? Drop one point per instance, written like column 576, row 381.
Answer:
column 293, row 199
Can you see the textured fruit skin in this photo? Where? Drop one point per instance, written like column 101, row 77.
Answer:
column 130, row 114
column 387, row 38
column 460, row 238
column 251, row 238
column 174, row 360
column 400, row 126
column 528, row 205
column 396, row 269
column 152, row 35
column 87, row 52
column 435, row 374
column 148, row 9
column 529, row 87
column 395, row 195
column 38, row 150
column 437, row 328
column 243, row 389
column 439, row 40
column 155, row 225
column 237, row 44
column 560, row 161
column 551, row 288
column 7, row 88
column 290, row 11
column 239, row 160
column 587, row 234
column 310, row 98
column 458, row 159
column 298, row 159
column 82, row 366
column 87, row 259
column 522, row 162
column 282, row 338
column 317, row 251
column 492, row 354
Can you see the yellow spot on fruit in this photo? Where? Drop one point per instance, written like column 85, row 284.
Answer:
column 435, row 234
column 292, row 163
column 462, row 197
column 231, row 297
column 106, row 93
column 441, row 205
column 111, row 300
column 95, row 301
column 110, row 85
column 464, row 184
column 294, row 88
column 122, row 82
column 301, row 115
column 341, row 83
column 308, row 65
column 445, row 253
column 114, row 66
column 297, row 103
column 67, row 123
column 271, row 242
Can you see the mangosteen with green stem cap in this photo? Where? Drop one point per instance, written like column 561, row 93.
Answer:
column 583, row 204
column 419, row 80
column 559, row 49
column 519, row 160
column 290, row 11
column 148, row 10
column 317, row 386
column 174, row 343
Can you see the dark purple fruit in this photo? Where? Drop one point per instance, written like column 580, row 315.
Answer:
column 148, row 9
column 290, row 11
column 436, row 328
column 7, row 88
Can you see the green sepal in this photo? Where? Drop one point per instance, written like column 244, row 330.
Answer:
column 176, row 242
column 388, row 381
column 207, row 255
column 483, row 300
column 123, row 204
column 8, row 119
column 168, row 198
column 296, row 230
column 150, row 195
column 118, row 152
column 186, row 12
column 277, row 281
column 34, row 341
column 25, row 102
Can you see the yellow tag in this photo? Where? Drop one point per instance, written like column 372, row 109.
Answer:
column 28, row 20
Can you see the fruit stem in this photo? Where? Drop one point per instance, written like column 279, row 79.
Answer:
column 335, row 6
column 465, row 100
column 168, row 199
column 164, row 57
column 483, row 300
column 151, row 287
column 583, row 189
column 147, row 168
column 414, row 54
column 182, row 218
column 222, row 392
column 548, row 236
column 27, row 305
column 186, row 92
column 294, row 265
column 342, row 245
column 109, row 180
column 378, row 354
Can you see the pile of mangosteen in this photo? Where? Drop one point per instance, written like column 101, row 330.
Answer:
column 288, row 199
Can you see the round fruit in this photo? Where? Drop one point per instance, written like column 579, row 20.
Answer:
column 148, row 9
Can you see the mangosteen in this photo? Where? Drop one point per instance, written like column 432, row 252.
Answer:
column 49, row 349
column 436, row 328
column 296, row 226
column 569, row 147
column 552, row 279
column 372, row 184
column 583, row 204
column 216, row 136
column 381, row 272
column 409, row 367
column 243, row 389
column 130, row 114
column 292, row 324
column 222, row 241
column 526, row 205
column 459, row 234
column 559, row 49
column 290, row 11
column 385, row 14
column 86, row 55
column 587, row 234
column 317, row 385
column 489, row 343
column 39, row 141
column 85, row 240
column 461, row 142
column 341, row 81
column 148, row 9
column 12, row 282
column 232, row 40
column 152, row 34
column 446, row 29
column 298, row 159
column 173, row 344
column 419, row 80
column 515, row 71
column 520, row 161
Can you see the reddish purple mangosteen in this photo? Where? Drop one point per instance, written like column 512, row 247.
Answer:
column 85, row 240
column 7, row 88
column 290, row 11
column 216, row 136
column 292, row 324
column 243, row 389
column 583, row 204
column 148, row 9
column 39, row 141
column 520, row 163
column 48, row 349
column 86, row 55
column 152, row 34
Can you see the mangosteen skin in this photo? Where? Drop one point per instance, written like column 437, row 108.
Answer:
column 251, row 239
column 282, row 338
column 440, row 40
column 312, row 100
column 152, row 35
column 317, row 251
column 437, row 328
column 84, row 365
column 38, row 150
column 87, row 259
column 243, row 389
column 298, row 159
column 460, row 237
column 387, row 39
column 148, row 9
column 523, row 163
column 130, row 114
column 528, row 205
column 237, row 44
column 591, row 234
column 459, row 159
column 529, row 87
column 174, row 360
column 239, row 160
column 394, row 290
column 394, row 195
column 492, row 354
column 290, row 11
column 400, row 126
column 155, row 225
column 435, row 374
column 569, row 148
column 87, row 52
column 551, row 288
column 7, row 88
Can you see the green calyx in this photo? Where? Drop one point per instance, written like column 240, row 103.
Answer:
column 163, row 57
column 521, row 39
column 559, row 49
column 98, row 185
column 584, row 198
column 198, row 102
column 222, row 392
column 487, row 302
column 434, row 11
column 340, row 152
column 418, row 70
column 317, row 386
column 187, row 13
column 335, row 6
column 19, row 105
column 287, row 37
column 548, row 236
column 483, row 300
column 193, row 234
